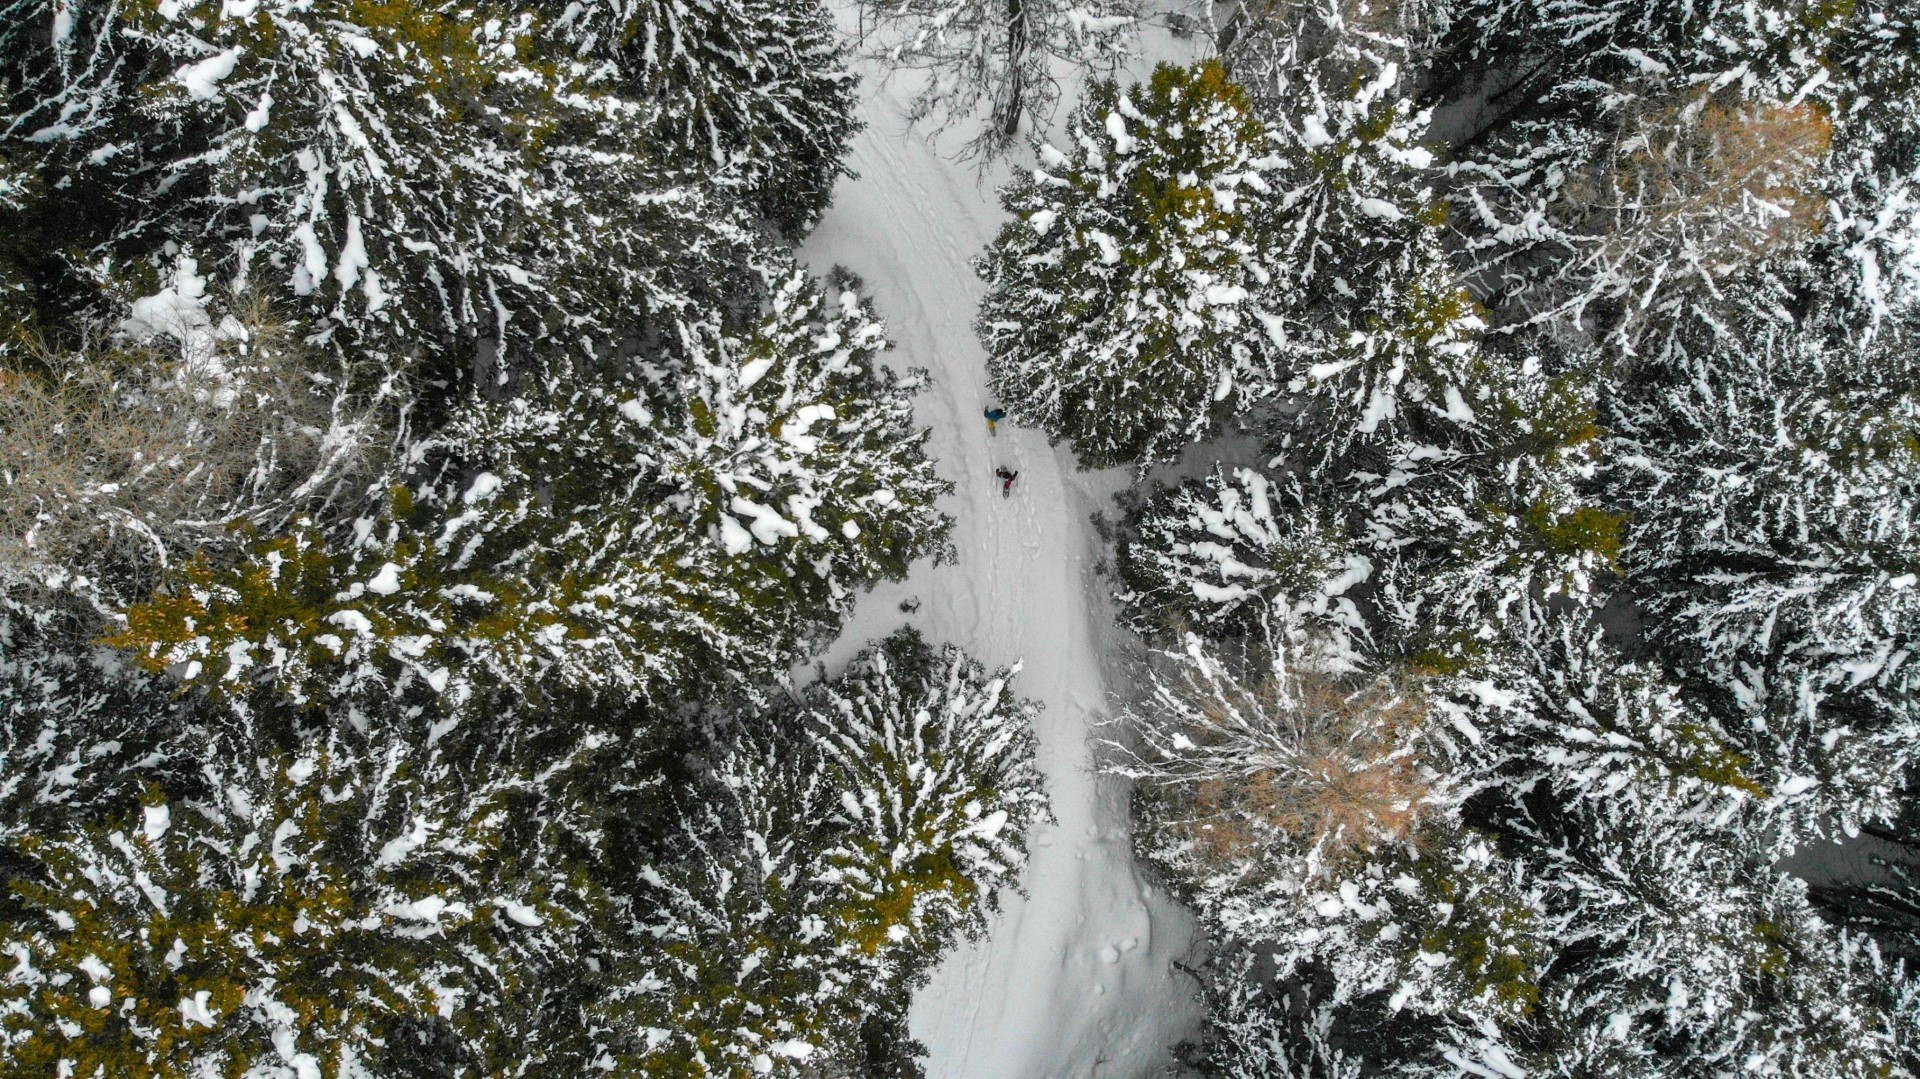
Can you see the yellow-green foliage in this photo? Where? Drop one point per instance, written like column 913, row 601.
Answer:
column 1706, row 756
column 279, row 596
column 1196, row 111
column 1487, row 933
column 888, row 909
column 442, row 39
column 1581, row 530
column 437, row 41
column 225, row 938
column 283, row 918
column 179, row 926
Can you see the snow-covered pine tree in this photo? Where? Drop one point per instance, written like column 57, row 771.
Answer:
column 299, row 146
column 1587, row 54
column 933, row 761
column 1000, row 54
column 357, row 906
column 17, row 185
column 414, row 183
column 595, row 533
column 1371, row 323
column 1234, row 553
column 1560, row 710
column 1479, row 522
column 1874, row 193
column 729, row 967
column 1670, row 940
column 840, row 846
column 1769, row 462
column 1678, row 941
column 753, row 93
column 1258, row 1028
column 1117, row 311
column 1458, row 461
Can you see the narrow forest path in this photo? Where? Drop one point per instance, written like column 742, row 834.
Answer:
column 1074, row 979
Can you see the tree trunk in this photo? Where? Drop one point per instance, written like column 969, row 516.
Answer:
column 1016, row 65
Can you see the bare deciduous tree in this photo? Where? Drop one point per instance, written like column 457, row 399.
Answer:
column 1005, row 55
column 118, row 456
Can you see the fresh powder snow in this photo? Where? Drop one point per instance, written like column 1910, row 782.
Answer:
column 1076, row 977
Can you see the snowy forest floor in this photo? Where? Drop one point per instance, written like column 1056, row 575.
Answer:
column 1075, row 978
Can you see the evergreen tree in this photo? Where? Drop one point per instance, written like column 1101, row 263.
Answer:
column 754, row 91
column 1874, row 195
column 1769, row 462
column 1374, row 331
column 1482, row 520
column 1640, row 929
column 1117, row 311
column 77, row 730
column 420, row 183
column 17, row 184
column 1235, row 553
column 835, row 854
column 313, row 911
column 594, row 534
column 1676, row 947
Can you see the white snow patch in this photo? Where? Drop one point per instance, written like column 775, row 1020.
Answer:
column 636, row 412
column 483, row 487
column 734, row 537
column 754, row 371
column 521, row 914
column 259, row 118
column 202, row 80
column 1109, row 247
column 194, row 1009
column 1795, row 785
column 352, row 621
column 353, row 255
column 154, row 821
column 1380, row 208
column 179, row 310
column 426, row 910
column 386, row 582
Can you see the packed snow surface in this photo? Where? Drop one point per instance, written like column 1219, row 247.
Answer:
column 1075, row 978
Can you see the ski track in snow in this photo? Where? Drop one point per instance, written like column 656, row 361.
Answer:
column 1075, row 977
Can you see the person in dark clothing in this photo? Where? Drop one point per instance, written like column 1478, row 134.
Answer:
column 1007, row 477
column 994, row 416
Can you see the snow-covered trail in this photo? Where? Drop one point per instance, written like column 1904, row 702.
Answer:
column 1075, row 978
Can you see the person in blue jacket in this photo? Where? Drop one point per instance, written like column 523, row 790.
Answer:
column 994, row 416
